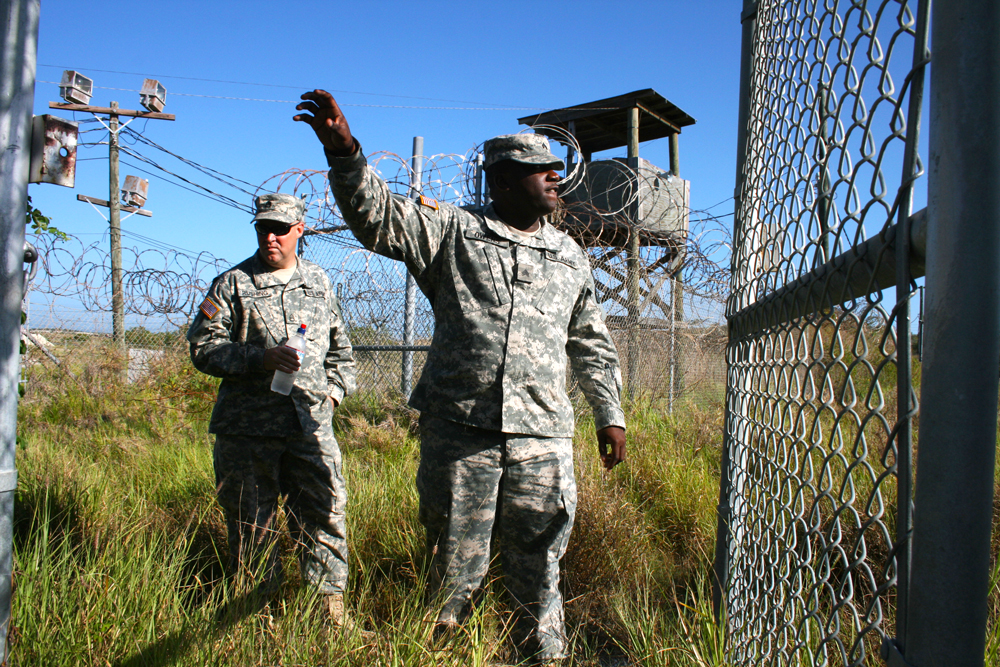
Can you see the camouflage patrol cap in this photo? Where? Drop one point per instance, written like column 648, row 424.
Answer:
column 279, row 207
column 524, row 148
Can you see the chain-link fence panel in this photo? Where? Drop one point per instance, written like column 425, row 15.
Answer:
column 664, row 301
column 820, row 395
column 668, row 354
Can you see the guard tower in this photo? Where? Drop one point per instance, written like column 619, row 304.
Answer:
column 650, row 205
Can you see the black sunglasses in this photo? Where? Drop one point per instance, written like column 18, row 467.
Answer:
column 266, row 229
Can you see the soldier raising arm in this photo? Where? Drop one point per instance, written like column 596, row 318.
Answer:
column 514, row 307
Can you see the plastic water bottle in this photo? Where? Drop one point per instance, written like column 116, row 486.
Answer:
column 282, row 382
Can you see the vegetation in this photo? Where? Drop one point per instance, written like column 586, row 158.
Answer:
column 119, row 543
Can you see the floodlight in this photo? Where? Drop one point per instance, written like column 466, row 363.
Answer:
column 75, row 88
column 153, row 95
column 135, row 191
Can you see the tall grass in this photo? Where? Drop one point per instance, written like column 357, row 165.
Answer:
column 119, row 543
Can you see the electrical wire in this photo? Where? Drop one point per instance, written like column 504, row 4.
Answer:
column 197, row 189
column 343, row 104
column 271, row 85
column 218, row 175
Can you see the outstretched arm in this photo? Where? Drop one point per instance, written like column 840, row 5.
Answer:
column 327, row 121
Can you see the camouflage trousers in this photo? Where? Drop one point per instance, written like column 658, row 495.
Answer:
column 251, row 473
column 476, row 485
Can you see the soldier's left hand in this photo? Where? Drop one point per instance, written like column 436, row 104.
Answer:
column 281, row 358
column 611, row 445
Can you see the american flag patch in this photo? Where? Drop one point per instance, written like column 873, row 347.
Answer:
column 428, row 202
column 209, row 308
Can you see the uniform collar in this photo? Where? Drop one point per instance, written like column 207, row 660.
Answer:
column 263, row 277
column 545, row 239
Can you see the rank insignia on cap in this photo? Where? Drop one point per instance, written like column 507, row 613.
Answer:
column 209, row 308
column 428, row 202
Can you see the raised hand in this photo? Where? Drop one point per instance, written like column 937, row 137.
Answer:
column 327, row 121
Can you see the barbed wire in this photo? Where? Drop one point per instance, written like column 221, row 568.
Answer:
column 698, row 253
column 163, row 282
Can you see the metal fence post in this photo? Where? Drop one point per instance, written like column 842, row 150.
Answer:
column 633, row 263
column 949, row 578
column 17, row 91
column 410, row 311
column 723, row 535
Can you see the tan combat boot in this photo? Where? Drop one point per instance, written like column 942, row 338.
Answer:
column 336, row 610
column 341, row 620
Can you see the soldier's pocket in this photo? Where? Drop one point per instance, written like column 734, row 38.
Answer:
column 483, row 279
column 558, row 295
column 259, row 331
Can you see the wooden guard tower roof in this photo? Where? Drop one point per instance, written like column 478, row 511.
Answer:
column 603, row 125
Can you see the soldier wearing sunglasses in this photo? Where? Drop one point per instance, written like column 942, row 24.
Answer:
column 269, row 445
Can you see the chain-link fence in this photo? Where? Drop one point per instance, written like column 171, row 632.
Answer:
column 668, row 354
column 822, row 385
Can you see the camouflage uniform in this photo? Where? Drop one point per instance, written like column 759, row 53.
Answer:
column 509, row 315
column 268, row 445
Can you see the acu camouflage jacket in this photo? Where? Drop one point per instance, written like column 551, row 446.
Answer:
column 247, row 311
column 508, row 314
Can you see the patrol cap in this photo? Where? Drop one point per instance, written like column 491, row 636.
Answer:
column 279, row 207
column 524, row 148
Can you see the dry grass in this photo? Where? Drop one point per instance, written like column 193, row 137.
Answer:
column 119, row 543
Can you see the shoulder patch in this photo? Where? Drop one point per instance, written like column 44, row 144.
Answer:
column 208, row 308
column 428, row 202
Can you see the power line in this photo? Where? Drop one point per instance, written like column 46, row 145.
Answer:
column 218, row 175
column 343, row 104
column 270, row 85
column 208, row 194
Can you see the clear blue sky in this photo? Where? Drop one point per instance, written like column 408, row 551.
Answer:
column 382, row 59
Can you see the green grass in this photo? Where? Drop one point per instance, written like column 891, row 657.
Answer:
column 119, row 543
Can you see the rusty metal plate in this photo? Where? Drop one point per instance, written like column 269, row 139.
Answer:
column 53, row 151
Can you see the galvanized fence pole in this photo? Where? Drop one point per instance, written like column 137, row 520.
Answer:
column 676, row 298
column 17, row 91
column 949, row 581
column 410, row 311
column 632, row 270
column 906, row 407
column 724, row 534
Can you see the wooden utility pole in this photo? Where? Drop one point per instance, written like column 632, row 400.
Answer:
column 114, row 218
column 114, row 205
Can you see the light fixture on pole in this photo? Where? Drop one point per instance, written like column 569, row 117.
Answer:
column 75, row 88
column 153, row 95
column 135, row 191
